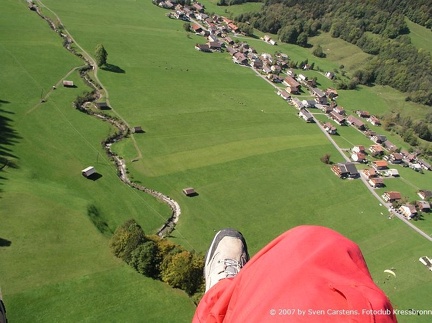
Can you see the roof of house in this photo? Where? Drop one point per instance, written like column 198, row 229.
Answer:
column 337, row 116
column 376, row 180
column 423, row 204
column 380, row 163
column 425, row 193
column 393, row 195
column 376, row 147
column 353, row 120
column 189, row 191
column 396, row 156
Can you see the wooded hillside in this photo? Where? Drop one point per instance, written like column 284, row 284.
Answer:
column 377, row 27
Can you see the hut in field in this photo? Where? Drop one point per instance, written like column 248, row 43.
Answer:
column 102, row 106
column 189, row 191
column 137, row 129
column 67, row 83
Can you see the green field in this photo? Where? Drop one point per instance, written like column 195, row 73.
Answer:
column 209, row 124
column 420, row 36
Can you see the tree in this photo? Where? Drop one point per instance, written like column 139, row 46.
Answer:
column 302, row 39
column 144, row 259
column 318, row 52
column 187, row 26
column 126, row 239
column 101, row 55
column 184, row 270
column 325, row 159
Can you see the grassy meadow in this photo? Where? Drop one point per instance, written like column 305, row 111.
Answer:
column 209, row 124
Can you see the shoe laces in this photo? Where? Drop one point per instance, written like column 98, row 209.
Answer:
column 231, row 267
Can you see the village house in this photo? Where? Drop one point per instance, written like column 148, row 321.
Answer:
column 302, row 78
column 231, row 50
column 329, row 75
column 266, row 69
column 389, row 146
column 356, row 122
column 256, row 63
column 359, row 149
column 329, row 128
column 379, row 165
column 212, row 38
column 379, row 139
column 297, row 103
column 408, row 210
column 423, row 206
column 309, row 103
column 240, row 58
column 274, row 78
column 395, row 158
column 198, row 6
column 311, row 83
column 284, row 95
column 339, row 110
column 415, row 166
column 324, row 108
column 268, row 39
column 369, row 133
column 345, row 170
column 275, row 69
column 215, row 45
column 392, row 196
column 306, row 115
column 294, row 86
column 370, row 173
column 331, row 93
column 392, row 172
column 424, row 164
column 197, row 29
column 358, row 157
column 408, row 157
column 336, row 117
column 228, row 40
column 374, row 120
column 203, row 48
column 320, row 96
column 363, row 114
column 376, row 182
column 291, row 73
column 425, row 194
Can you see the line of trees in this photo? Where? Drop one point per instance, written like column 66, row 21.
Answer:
column 159, row 258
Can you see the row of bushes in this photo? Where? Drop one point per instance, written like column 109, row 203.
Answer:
column 159, row 258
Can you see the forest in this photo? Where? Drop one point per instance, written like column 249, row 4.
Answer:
column 378, row 27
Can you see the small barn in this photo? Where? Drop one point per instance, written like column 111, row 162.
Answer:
column 68, row 83
column 102, row 106
column 87, row 172
column 189, row 191
column 138, row 129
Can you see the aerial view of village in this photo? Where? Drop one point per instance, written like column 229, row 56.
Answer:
column 132, row 131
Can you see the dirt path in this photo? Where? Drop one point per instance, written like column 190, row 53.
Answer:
column 120, row 123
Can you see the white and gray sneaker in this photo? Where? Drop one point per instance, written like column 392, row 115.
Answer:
column 226, row 256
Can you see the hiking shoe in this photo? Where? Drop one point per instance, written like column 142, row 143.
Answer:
column 226, row 256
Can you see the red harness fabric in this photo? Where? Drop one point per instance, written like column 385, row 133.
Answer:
column 307, row 274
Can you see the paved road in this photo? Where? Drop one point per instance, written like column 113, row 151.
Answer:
column 373, row 191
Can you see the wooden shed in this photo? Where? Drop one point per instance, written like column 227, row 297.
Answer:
column 189, row 191
column 138, row 129
column 68, row 83
column 102, row 106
